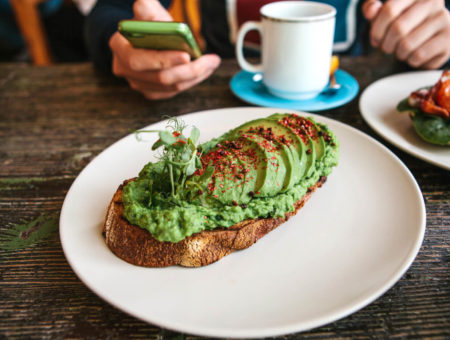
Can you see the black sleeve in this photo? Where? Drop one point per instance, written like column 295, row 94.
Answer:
column 215, row 29
column 100, row 25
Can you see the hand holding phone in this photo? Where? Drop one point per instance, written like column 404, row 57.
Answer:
column 157, row 74
column 160, row 35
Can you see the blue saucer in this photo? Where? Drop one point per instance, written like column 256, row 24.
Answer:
column 254, row 92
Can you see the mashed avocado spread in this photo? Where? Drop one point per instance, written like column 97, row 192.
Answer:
column 259, row 169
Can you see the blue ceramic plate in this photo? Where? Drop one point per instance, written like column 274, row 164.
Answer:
column 252, row 90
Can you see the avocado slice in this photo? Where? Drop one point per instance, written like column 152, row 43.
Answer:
column 247, row 169
column 228, row 186
column 287, row 141
column 271, row 163
column 310, row 147
column 313, row 131
column 279, row 161
column 226, row 182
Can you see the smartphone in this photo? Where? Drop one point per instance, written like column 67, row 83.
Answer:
column 160, row 35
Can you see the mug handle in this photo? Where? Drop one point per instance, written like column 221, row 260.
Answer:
column 248, row 26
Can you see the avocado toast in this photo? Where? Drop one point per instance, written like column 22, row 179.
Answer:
column 223, row 195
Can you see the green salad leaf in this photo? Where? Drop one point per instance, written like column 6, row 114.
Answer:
column 431, row 128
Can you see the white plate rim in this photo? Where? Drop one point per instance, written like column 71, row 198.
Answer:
column 275, row 331
column 415, row 149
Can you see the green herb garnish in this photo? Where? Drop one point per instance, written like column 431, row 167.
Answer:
column 180, row 156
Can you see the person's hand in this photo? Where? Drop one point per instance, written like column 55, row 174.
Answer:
column 157, row 74
column 416, row 31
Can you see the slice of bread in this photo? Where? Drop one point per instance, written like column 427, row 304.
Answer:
column 137, row 246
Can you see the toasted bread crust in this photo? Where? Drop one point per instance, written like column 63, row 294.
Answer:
column 136, row 245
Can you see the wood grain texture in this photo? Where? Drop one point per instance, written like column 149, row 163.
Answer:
column 54, row 120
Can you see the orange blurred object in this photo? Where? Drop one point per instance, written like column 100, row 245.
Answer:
column 334, row 64
column 443, row 93
column 188, row 11
column 436, row 100
column 32, row 29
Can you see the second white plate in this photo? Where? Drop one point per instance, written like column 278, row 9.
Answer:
column 378, row 105
column 350, row 243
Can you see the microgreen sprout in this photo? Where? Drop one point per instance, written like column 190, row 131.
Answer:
column 179, row 153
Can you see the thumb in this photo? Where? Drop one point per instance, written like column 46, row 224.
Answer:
column 150, row 10
column 371, row 8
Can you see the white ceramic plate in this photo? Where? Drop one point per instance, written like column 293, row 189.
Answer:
column 378, row 105
column 351, row 242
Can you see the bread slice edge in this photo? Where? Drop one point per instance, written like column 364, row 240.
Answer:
column 137, row 246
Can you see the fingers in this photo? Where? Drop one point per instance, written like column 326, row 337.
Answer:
column 402, row 26
column 426, row 41
column 136, row 59
column 389, row 12
column 371, row 8
column 435, row 62
column 166, row 83
column 150, row 10
column 416, row 31
column 167, row 76
column 190, row 71
column 158, row 74
column 155, row 91
column 433, row 53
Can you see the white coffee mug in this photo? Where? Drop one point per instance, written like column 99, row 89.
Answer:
column 296, row 47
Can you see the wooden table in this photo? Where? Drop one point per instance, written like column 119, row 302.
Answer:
column 54, row 120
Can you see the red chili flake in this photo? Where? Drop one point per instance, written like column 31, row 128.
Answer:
column 176, row 133
column 180, row 141
column 258, row 192
column 308, row 151
column 235, row 203
column 216, row 196
column 200, row 192
column 273, row 158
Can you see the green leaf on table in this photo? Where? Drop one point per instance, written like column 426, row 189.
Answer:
column 27, row 234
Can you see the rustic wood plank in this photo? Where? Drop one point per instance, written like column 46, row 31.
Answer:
column 54, row 120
